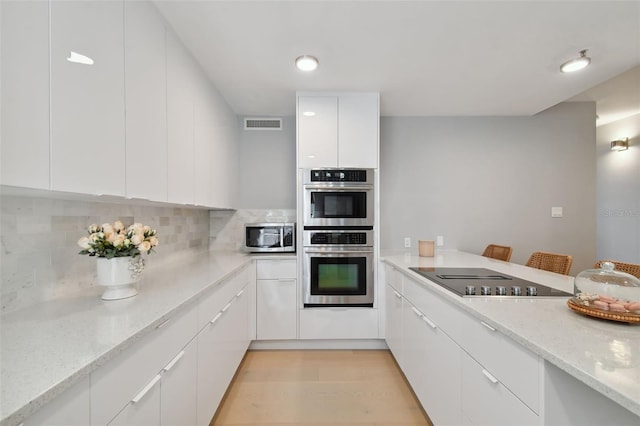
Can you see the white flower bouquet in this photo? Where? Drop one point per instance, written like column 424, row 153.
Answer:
column 114, row 240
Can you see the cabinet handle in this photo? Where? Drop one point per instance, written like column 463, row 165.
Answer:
column 216, row 318
column 489, row 376
column 163, row 323
column 487, row 325
column 240, row 293
column 173, row 361
column 417, row 312
column 146, row 389
column 428, row 321
column 398, row 295
column 226, row 307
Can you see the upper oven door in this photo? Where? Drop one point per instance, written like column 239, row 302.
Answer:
column 338, row 206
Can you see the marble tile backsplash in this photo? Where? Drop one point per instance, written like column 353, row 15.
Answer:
column 39, row 254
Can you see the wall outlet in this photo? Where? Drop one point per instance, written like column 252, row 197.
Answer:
column 407, row 242
column 439, row 240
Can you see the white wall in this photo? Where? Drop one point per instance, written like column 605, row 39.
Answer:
column 481, row 180
column 618, row 192
column 268, row 167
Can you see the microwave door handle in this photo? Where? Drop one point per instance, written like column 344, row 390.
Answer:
column 282, row 236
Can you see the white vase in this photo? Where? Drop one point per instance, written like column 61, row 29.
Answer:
column 119, row 276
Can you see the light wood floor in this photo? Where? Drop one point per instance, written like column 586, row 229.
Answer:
column 318, row 388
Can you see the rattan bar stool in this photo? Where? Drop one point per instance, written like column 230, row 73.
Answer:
column 495, row 251
column 629, row 268
column 558, row 263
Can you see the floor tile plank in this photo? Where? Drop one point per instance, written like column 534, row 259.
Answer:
column 320, row 388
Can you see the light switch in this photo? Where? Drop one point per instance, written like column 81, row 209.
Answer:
column 556, row 211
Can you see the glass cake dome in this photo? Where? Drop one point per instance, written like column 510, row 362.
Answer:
column 606, row 289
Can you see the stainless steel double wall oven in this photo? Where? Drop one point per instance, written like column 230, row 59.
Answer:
column 337, row 238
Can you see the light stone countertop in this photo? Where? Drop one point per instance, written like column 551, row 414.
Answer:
column 47, row 348
column 602, row 354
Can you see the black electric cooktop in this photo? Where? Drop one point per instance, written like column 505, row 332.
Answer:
column 481, row 282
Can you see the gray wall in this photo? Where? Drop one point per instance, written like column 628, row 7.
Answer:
column 618, row 192
column 268, row 167
column 481, row 180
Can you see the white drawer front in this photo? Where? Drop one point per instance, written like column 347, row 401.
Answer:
column 486, row 401
column 114, row 384
column 516, row 367
column 275, row 269
column 443, row 313
column 218, row 297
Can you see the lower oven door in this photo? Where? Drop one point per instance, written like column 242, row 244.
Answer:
column 335, row 276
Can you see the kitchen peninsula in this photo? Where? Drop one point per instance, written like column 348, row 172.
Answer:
column 512, row 342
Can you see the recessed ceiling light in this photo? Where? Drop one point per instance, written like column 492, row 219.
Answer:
column 576, row 64
column 306, row 63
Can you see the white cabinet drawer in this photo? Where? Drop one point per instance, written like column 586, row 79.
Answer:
column 275, row 269
column 516, row 367
column 219, row 296
column 486, row 401
column 116, row 383
column 443, row 313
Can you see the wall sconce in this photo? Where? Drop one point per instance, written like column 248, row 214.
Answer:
column 620, row 145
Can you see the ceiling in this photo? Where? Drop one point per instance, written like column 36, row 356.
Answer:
column 426, row 58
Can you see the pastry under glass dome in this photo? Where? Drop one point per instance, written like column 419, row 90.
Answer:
column 607, row 293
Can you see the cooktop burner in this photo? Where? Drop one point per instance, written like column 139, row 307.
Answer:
column 480, row 282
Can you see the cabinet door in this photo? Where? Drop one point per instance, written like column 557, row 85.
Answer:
column 358, row 122
column 486, row 401
column 180, row 123
column 144, row 407
column 87, row 101
column 71, row 408
column 276, row 309
column 178, row 388
column 393, row 330
column 432, row 357
column 317, row 131
column 213, row 365
column 25, row 93
column 203, row 138
column 146, row 102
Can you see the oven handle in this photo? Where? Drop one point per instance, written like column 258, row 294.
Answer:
column 338, row 251
column 340, row 188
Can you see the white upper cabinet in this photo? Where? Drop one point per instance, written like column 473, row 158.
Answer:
column 87, row 100
column 338, row 130
column 24, row 132
column 181, row 72
column 317, row 131
column 358, row 123
column 146, row 102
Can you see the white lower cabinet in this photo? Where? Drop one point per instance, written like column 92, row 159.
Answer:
column 338, row 323
column 276, row 300
column 432, row 363
column 178, row 388
column 71, row 408
column 221, row 346
column 117, row 383
column 486, row 401
column 463, row 371
column 394, row 326
column 144, row 407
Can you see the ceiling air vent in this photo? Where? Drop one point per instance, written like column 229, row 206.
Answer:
column 263, row 123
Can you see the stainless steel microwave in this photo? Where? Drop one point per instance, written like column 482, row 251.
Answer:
column 269, row 237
